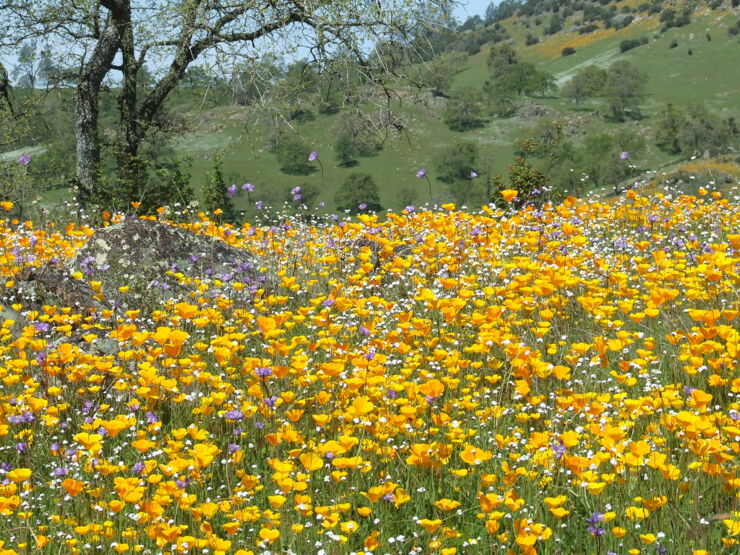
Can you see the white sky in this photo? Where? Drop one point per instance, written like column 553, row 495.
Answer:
column 470, row 8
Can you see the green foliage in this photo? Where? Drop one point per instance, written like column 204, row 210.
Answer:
column 694, row 131
column 309, row 193
column 734, row 29
column 436, row 74
column 702, row 132
column 670, row 18
column 556, row 25
column 216, row 194
column 624, row 89
column 292, row 155
column 530, row 183
column 172, row 185
column 500, row 11
column 359, row 189
column 599, row 158
column 501, row 59
column 456, row 162
column 568, row 51
column 361, row 132
column 587, row 83
column 667, row 128
column 524, row 78
column 464, row 110
column 629, row 44
column 345, row 151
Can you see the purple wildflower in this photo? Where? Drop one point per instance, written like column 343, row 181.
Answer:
column 59, row 472
column 24, row 160
column 232, row 191
column 313, row 156
column 234, row 415
column 422, row 173
column 362, row 206
column 473, row 174
column 624, row 155
column 263, row 372
column 137, row 468
column 248, row 187
column 559, row 449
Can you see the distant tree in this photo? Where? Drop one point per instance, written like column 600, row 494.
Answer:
column 26, row 70
column 600, row 156
column 251, row 82
column 471, row 23
column 587, row 83
column 345, row 151
column 667, row 128
column 456, row 162
column 504, row 9
column 702, row 132
column 437, row 74
column 358, row 193
column 624, row 88
column 464, row 110
column 362, row 132
column 501, row 60
column 215, row 193
column 524, row 78
column 568, row 51
column 292, row 155
column 501, row 98
column 556, row 24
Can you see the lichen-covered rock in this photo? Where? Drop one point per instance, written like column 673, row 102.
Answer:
column 147, row 256
column 138, row 264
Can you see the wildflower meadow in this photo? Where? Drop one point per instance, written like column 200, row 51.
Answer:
column 561, row 379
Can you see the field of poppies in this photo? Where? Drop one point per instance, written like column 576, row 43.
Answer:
column 557, row 380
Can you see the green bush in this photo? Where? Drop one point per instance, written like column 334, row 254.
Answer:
column 358, row 193
column 292, row 155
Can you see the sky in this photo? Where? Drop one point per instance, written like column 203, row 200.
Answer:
column 468, row 8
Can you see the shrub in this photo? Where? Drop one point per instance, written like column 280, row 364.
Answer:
column 345, row 151
column 292, row 155
column 734, row 29
column 628, row 44
column 215, row 192
column 590, row 28
column 464, row 110
column 358, row 193
column 568, row 51
column 457, row 161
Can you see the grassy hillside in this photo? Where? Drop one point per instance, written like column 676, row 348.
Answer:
column 708, row 75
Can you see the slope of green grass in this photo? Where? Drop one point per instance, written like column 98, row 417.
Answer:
column 708, row 75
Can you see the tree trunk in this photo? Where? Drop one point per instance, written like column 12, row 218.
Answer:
column 129, row 130
column 86, row 107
